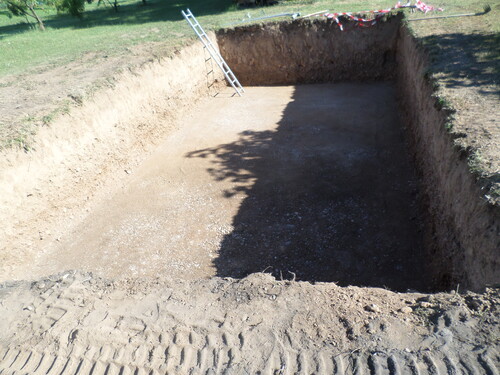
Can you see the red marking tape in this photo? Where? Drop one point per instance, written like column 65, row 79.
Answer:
column 419, row 5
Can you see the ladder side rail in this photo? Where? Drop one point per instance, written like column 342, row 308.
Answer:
column 227, row 71
column 233, row 76
column 213, row 52
column 210, row 47
column 224, row 67
column 210, row 70
column 207, row 44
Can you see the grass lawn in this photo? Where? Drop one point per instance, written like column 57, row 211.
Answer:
column 104, row 31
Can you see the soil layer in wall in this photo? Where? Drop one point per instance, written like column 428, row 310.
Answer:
column 309, row 52
column 463, row 228
column 84, row 154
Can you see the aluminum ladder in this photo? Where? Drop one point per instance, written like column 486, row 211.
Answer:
column 231, row 78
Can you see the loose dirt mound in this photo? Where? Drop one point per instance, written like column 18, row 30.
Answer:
column 75, row 323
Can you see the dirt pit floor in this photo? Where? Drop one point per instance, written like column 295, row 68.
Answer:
column 312, row 181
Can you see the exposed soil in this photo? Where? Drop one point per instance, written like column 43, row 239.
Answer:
column 32, row 100
column 463, row 217
column 87, row 152
column 78, row 324
column 310, row 51
column 467, row 67
column 463, row 230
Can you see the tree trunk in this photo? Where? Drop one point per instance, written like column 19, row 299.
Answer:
column 38, row 19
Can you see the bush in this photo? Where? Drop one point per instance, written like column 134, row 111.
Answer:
column 73, row 7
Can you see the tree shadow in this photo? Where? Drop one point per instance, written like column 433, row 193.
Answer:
column 5, row 13
column 328, row 198
column 466, row 60
column 129, row 13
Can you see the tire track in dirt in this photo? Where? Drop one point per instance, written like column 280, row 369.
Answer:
column 176, row 360
column 81, row 325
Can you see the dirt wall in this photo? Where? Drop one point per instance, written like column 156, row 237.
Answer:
column 96, row 143
column 462, row 233
column 309, row 51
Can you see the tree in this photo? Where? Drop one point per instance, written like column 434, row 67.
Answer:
column 28, row 8
column 112, row 3
column 25, row 8
column 73, row 7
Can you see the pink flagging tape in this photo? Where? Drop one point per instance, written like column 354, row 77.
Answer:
column 419, row 5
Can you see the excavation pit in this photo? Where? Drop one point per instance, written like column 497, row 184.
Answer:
column 454, row 237
column 335, row 166
column 343, row 171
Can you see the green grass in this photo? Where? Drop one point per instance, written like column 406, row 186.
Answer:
column 102, row 30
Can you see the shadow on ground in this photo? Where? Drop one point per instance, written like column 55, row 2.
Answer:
column 466, row 60
column 330, row 196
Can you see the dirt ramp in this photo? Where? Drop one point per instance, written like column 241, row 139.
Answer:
column 310, row 51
